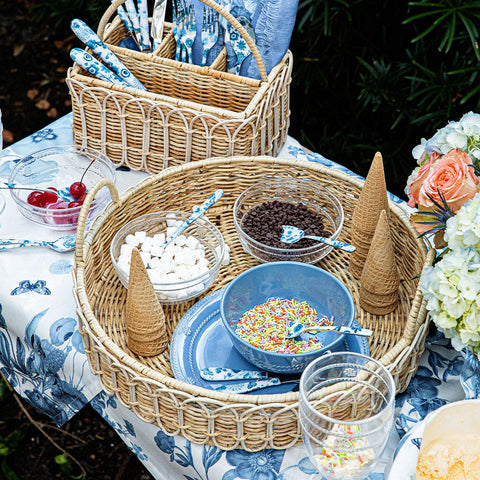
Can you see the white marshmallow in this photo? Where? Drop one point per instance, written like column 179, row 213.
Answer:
column 202, row 269
column 192, row 242
column 203, row 263
column 132, row 240
column 156, row 251
column 181, row 240
column 198, row 253
column 126, row 250
column 226, row 256
column 167, row 256
column 172, row 278
column 159, row 239
column 147, row 244
column 171, row 222
column 145, row 257
column 140, row 236
column 185, row 257
column 154, row 263
column 124, row 265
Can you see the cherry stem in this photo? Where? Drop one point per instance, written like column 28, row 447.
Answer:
column 83, row 174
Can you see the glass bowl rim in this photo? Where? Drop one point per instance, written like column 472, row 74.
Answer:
column 302, row 399
column 64, row 211
column 284, row 251
column 184, row 283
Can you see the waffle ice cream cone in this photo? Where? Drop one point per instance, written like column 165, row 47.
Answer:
column 144, row 317
column 372, row 200
column 380, row 280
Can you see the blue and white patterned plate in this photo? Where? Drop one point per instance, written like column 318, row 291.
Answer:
column 404, row 464
column 200, row 341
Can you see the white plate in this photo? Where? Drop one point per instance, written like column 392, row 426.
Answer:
column 405, row 458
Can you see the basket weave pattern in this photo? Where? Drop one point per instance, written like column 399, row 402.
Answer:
column 188, row 112
column 147, row 386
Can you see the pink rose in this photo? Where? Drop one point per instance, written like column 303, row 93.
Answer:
column 453, row 175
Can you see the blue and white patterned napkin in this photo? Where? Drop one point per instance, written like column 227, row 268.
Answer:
column 270, row 23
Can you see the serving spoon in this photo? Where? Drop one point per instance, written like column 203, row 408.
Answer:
column 197, row 213
column 293, row 234
column 62, row 244
column 294, row 329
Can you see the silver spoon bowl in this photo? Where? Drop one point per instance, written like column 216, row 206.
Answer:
column 293, row 234
column 62, row 244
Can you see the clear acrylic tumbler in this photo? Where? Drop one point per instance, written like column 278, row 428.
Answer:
column 346, row 407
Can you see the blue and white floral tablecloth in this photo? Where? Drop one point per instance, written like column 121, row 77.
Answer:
column 42, row 356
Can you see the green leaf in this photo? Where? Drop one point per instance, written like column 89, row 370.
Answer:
column 434, row 25
column 422, row 15
column 449, row 34
column 7, row 471
column 62, row 459
column 470, row 94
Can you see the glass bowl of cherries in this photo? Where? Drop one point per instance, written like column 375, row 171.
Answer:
column 50, row 185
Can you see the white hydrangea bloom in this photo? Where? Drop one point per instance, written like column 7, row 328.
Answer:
column 456, row 139
column 419, row 151
column 452, row 286
column 470, row 124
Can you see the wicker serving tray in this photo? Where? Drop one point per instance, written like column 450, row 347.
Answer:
column 146, row 385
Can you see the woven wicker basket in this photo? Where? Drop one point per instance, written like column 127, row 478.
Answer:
column 146, row 385
column 188, row 112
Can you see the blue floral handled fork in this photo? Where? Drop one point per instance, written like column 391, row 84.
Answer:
column 210, row 31
column 184, row 29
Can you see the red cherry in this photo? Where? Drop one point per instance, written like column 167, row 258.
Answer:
column 77, row 189
column 50, row 197
column 75, row 203
column 37, row 199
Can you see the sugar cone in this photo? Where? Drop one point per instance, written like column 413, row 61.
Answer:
column 380, row 281
column 144, row 317
column 372, row 200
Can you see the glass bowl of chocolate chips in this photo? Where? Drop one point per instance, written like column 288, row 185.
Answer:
column 261, row 211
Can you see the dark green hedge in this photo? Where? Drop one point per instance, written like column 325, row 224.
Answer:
column 378, row 76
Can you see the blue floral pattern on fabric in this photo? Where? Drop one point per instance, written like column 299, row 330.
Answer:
column 45, row 134
column 60, row 267
column 100, row 404
column 263, row 465
column 7, row 167
column 36, row 366
column 25, row 286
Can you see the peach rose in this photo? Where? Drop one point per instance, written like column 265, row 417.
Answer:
column 419, row 178
column 453, row 175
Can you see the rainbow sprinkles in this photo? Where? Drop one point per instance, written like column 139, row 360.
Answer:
column 265, row 326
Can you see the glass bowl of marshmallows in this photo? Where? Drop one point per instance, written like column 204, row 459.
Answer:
column 182, row 270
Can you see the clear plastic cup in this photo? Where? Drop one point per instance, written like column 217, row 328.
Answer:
column 346, row 407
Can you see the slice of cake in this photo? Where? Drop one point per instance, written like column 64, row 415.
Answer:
column 450, row 448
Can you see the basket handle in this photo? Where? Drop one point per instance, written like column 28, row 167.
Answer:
column 219, row 9
column 82, row 218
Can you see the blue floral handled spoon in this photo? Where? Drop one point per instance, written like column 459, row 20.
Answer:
column 294, row 329
column 62, row 244
column 198, row 212
column 293, row 234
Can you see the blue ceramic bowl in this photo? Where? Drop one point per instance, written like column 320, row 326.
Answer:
column 290, row 280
